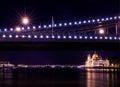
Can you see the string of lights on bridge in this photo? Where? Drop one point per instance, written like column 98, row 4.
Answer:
column 82, row 37
column 93, row 21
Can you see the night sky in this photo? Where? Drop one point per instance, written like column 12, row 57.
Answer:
column 41, row 12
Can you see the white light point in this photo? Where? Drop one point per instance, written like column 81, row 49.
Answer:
column 35, row 36
column 101, row 37
column 91, row 37
column 75, row 37
column 41, row 36
column 115, row 38
column 53, row 36
column 86, row 37
column 101, row 31
column 96, row 37
column 25, row 20
column 4, row 36
column 18, row 29
column 75, row 23
column 70, row 23
column 110, row 38
column 70, row 37
column 16, row 36
column 29, row 36
column 47, row 36
column 60, row 25
column 80, row 37
column 5, row 29
column 89, row 21
column 10, row 36
column 11, row 29
column 59, row 37
column 64, row 37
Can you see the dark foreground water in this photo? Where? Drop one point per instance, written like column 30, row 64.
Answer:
column 58, row 78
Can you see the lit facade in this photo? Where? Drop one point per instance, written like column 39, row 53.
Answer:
column 96, row 60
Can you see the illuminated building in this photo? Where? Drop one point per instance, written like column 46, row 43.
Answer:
column 96, row 61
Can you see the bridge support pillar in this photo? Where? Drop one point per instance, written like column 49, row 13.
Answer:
column 118, row 28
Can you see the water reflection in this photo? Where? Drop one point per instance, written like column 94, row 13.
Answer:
column 100, row 78
column 59, row 78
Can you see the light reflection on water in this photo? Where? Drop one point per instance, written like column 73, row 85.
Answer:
column 59, row 78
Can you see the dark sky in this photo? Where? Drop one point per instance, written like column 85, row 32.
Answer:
column 41, row 11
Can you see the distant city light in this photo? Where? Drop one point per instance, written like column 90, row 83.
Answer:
column 25, row 20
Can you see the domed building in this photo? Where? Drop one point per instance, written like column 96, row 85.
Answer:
column 96, row 61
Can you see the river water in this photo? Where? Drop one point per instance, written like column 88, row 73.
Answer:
column 31, row 77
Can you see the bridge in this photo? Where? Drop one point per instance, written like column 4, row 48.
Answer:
column 98, row 32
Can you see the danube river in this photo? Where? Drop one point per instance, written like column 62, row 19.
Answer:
column 48, row 77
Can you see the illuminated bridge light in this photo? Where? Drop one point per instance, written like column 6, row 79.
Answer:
column 86, row 37
column 23, row 36
column 60, row 24
column 96, row 37
column 75, row 37
column 89, row 21
column 70, row 23
column 5, row 30
column 106, row 37
column 53, row 36
column 107, row 19
column 23, row 28
column 115, row 38
column 119, row 17
column 65, row 24
column 80, row 37
column 10, row 36
column 80, row 22
column 93, row 20
column 55, row 25
column 50, row 26
column 111, row 18
column 102, row 19
column 4, row 36
column 64, row 37
column 110, row 38
column 47, row 36
column 39, row 26
column 11, row 29
column 44, row 26
column 98, row 20
column 70, row 37
column 16, row 36
column 41, row 36
column 33, row 27
column 119, row 38
column 35, row 36
column 58, row 37
column 29, row 27
column 29, row 36
column 84, row 22
column 101, row 37
column 115, row 17
column 75, row 23
column 91, row 37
